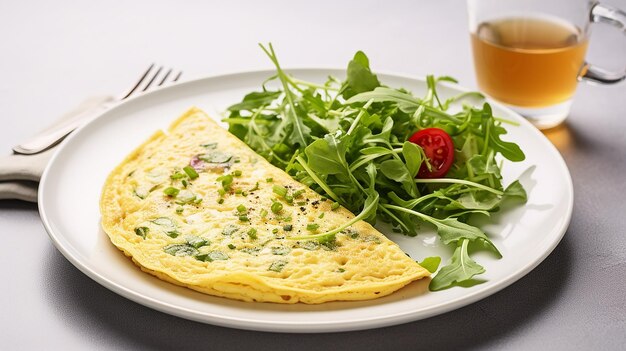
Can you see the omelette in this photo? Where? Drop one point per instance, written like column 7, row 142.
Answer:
column 198, row 208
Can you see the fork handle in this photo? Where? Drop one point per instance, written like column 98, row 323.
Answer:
column 52, row 135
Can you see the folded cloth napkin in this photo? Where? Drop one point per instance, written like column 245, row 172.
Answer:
column 20, row 174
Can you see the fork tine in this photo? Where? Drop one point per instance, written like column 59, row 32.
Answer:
column 138, row 83
column 156, row 74
column 167, row 74
column 152, row 78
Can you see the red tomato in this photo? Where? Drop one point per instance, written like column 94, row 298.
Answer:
column 439, row 149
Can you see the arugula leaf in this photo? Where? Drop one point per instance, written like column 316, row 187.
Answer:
column 460, row 269
column 412, row 157
column 396, row 170
column 516, row 190
column 359, row 76
column 299, row 131
column 255, row 100
column 327, row 156
column 509, row 150
column 431, row 264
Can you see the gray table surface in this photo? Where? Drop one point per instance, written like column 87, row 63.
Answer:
column 54, row 54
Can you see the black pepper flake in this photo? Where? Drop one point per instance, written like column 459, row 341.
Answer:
column 314, row 203
column 302, row 208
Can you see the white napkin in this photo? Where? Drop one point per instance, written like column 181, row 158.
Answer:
column 20, row 174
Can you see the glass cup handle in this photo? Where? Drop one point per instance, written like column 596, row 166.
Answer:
column 617, row 18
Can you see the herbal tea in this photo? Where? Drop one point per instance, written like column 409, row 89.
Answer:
column 529, row 62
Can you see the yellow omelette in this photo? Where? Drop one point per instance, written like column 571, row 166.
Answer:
column 198, row 208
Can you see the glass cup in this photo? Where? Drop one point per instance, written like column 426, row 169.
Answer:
column 530, row 54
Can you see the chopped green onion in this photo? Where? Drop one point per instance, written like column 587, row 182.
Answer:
column 277, row 207
column 263, row 213
column 279, row 190
column 220, row 201
column 197, row 241
column 312, row 226
column 289, row 199
column 321, row 215
column 191, row 172
column 142, row 231
column 184, row 182
column 280, row 250
column 242, row 209
column 288, row 227
column 334, row 206
column 209, row 145
column 177, row 176
column 212, row 256
column 173, row 233
column 179, row 209
column 277, row 266
column 231, row 246
column 298, row 193
column 252, row 233
column 243, row 218
column 171, row 191
column 269, row 180
column 237, row 173
column 226, row 181
column 221, row 191
column 230, row 229
column 180, row 250
column 275, row 230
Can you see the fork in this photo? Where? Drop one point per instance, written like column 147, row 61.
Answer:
column 151, row 78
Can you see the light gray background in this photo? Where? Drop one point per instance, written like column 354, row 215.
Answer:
column 55, row 53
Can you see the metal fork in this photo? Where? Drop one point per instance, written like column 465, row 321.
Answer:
column 151, row 78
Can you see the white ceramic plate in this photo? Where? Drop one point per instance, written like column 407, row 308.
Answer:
column 70, row 189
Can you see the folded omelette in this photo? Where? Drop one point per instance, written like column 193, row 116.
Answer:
column 198, row 208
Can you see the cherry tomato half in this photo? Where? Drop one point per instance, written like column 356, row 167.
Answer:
column 439, row 149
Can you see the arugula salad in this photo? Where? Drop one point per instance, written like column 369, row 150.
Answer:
column 386, row 155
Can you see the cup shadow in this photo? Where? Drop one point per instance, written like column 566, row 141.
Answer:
column 123, row 324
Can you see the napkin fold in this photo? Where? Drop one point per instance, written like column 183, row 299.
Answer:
column 20, row 174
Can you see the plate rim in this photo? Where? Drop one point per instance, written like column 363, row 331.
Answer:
column 307, row 326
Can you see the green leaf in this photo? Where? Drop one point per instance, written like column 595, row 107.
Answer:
column 469, row 201
column 359, row 76
column 451, row 230
column 405, row 102
column 412, row 158
column 460, row 269
column 510, row 151
column 255, row 100
column 431, row 264
column 516, row 190
column 327, row 156
column 372, row 150
column 397, row 171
